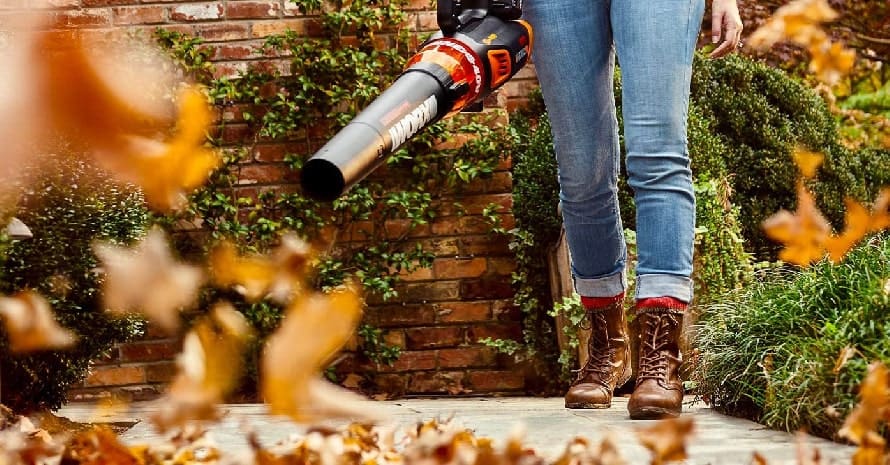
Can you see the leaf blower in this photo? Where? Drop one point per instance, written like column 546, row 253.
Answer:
column 482, row 44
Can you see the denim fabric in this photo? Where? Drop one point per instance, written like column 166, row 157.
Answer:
column 575, row 49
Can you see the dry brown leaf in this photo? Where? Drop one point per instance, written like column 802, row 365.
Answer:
column 807, row 162
column 843, row 357
column 98, row 446
column 666, row 439
column 758, row 459
column 147, row 279
column 880, row 219
column 874, row 397
column 870, row 451
column 278, row 276
column 30, row 324
column 209, row 368
column 314, row 329
column 797, row 21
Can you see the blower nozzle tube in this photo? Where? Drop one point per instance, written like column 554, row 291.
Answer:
column 413, row 102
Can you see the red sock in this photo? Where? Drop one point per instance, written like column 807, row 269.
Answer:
column 662, row 302
column 600, row 302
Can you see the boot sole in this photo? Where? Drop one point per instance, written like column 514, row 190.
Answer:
column 586, row 406
column 653, row 413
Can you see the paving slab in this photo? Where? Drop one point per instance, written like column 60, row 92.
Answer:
column 717, row 439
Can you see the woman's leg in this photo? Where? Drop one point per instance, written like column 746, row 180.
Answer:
column 655, row 40
column 575, row 59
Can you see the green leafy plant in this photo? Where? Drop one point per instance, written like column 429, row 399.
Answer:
column 69, row 205
column 791, row 348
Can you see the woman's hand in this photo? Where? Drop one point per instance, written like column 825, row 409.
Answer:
column 726, row 24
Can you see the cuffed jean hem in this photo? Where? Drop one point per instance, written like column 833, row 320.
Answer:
column 606, row 286
column 664, row 285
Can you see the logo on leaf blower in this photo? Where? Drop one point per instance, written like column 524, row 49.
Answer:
column 413, row 122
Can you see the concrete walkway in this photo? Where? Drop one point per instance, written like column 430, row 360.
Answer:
column 549, row 426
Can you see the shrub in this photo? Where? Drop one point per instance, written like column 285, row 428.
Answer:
column 760, row 115
column 69, row 205
column 791, row 348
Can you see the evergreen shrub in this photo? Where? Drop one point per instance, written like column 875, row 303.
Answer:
column 68, row 205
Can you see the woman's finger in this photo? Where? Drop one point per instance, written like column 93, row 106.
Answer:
column 716, row 24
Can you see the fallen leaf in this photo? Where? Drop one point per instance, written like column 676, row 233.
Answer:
column 666, row 439
column 30, row 324
column 874, row 397
column 209, row 368
column 880, row 218
column 843, row 357
column 147, row 279
column 830, row 61
column 314, row 329
column 98, row 446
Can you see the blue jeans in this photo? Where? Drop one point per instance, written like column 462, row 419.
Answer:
column 575, row 58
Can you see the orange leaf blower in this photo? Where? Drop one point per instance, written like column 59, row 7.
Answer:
column 482, row 44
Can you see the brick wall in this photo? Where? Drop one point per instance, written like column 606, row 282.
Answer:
column 442, row 311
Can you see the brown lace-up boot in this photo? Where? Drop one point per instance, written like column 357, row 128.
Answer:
column 608, row 362
column 659, row 391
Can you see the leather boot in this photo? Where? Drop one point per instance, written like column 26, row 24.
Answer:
column 608, row 362
column 659, row 391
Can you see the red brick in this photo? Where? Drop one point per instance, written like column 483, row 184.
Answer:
column 160, row 372
column 454, row 225
column 262, row 29
column 412, row 361
column 151, row 351
column 222, row 31
column 233, row 51
column 489, row 287
column 420, row 5
column 467, row 357
column 431, row 337
column 265, row 174
column 197, row 12
column 429, row 291
column 83, row 18
column 252, row 10
column 494, row 381
column 402, row 315
column 498, row 183
column 139, row 15
column 91, row 3
column 437, row 382
column 459, row 312
column 116, row 376
column 487, row 245
column 494, row 331
column 502, row 265
column 395, row 338
column 441, row 246
column 418, row 274
column 392, row 383
column 449, row 268
column 505, row 310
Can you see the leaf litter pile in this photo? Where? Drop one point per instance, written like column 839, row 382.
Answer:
column 147, row 130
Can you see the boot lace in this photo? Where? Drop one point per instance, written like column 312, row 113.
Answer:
column 598, row 360
column 654, row 364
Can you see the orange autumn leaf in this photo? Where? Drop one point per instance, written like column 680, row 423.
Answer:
column 857, row 223
column 209, row 368
column 803, row 233
column 278, row 276
column 167, row 171
column 807, row 162
column 874, row 398
column 30, row 324
column 146, row 278
column 880, row 218
column 314, row 329
column 98, row 446
column 797, row 21
column 666, row 439
column 830, row 61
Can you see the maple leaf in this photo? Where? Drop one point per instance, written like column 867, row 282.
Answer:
column 147, row 279
column 874, row 397
column 30, row 324
column 209, row 368
column 804, row 232
column 315, row 328
column 278, row 276
column 666, row 439
column 807, row 162
column 857, row 222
